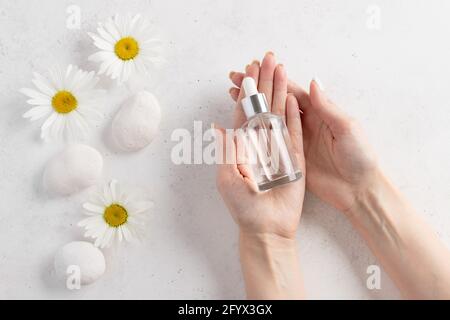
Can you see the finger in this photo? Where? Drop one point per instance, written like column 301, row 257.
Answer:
column 294, row 124
column 252, row 70
column 229, row 171
column 279, row 90
column 265, row 84
column 227, row 164
column 301, row 95
column 333, row 116
column 242, row 153
column 236, row 78
column 234, row 93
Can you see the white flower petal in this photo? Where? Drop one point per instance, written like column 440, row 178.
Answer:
column 93, row 208
column 57, row 126
column 37, row 112
column 116, row 70
column 125, row 71
column 100, row 43
column 42, row 84
column 134, row 23
column 112, row 186
column 107, row 195
column 98, row 240
column 95, row 228
column 118, row 22
column 72, row 77
column 35, row 94
column 100, row 56
column 91, row 114
column 127, row 234
column 95, row 232
column 38, row 102
column 112, row 29
column 87, row 222
column 102, row 236
column 81, row 123
column 56, row 78
column 106, row 66
column 120, row 233
column 108, row 237
column 47, row 124
column 106, row 35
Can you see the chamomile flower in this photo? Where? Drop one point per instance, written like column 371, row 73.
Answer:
column 126, row 47
column 68, row 100
column 114, row 215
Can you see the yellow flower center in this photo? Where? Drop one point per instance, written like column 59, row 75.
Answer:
column 126, row 48
column 64, row 102
column 115, row 215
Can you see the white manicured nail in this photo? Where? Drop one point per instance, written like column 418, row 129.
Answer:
column 319, row 83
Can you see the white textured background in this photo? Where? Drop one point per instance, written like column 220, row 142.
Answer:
column 394, row 80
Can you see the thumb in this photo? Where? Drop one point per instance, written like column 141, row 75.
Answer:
column 326, row 110
column 229, row 170
column 225, row 146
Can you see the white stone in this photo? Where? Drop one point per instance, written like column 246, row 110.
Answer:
column 137, row 122
column 83, row 255
column 77, row 167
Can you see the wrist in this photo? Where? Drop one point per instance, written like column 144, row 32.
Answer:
column 267, row 241
column 372, row 198
column 270, row 266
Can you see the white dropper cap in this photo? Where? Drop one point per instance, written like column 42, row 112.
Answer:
column 249, row 86
column 253, row 102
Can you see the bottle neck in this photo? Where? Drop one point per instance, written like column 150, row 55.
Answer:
column 254, row 104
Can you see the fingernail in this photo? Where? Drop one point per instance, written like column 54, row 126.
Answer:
column 292, row 96
column 270, row 53
column 246, row 67
column 256, row 62
column 231, row 74
column 319, row 83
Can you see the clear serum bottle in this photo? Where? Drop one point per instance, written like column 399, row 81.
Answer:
column 267, row 144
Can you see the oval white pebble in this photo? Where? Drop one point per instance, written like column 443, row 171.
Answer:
column 137, row 122
column 80, row 256
column 76, row 168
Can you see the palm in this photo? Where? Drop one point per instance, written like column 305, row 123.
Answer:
column 275, row 211
column 288, row 204
column 334, row 161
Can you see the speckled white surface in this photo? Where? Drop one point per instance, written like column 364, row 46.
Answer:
column 394, row 80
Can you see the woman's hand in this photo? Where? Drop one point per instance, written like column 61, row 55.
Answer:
column 277, row 211
column 342, row 170
column 339, row 160
column 268, row 220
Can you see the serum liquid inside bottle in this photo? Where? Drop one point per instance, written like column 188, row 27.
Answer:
column 268, row 149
